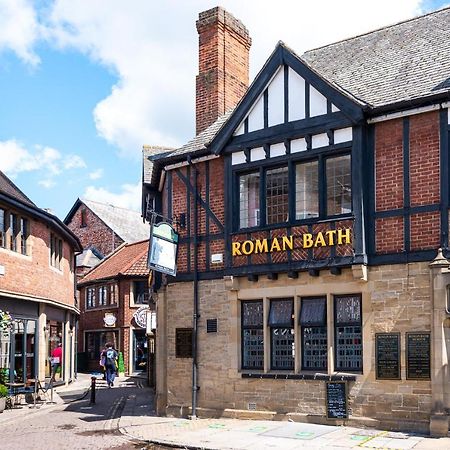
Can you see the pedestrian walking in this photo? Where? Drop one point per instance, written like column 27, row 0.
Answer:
column 102, row 362
column 55, row 361
column 110, row 356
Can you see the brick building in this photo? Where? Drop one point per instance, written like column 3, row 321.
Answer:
column 37, row 288
column 114, row 298
column 101, row 228
column 311, row 218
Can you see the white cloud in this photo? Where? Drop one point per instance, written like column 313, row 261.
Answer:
column 129, row 196
column 152, row 47
column 19, row 29
column 96, row 174
column 15, row 158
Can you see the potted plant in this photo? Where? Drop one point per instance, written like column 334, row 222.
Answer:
column 3, row 395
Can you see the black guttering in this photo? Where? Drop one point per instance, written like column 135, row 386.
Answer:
column 38, row 213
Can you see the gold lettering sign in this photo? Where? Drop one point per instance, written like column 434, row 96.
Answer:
column 278, row 244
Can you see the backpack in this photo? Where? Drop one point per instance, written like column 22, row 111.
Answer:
column 111, row 356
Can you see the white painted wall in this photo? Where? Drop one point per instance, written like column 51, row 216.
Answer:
column 275, row 107
column 296, row 96
column 317, row 103
column 239, row 129
column 256, row 154
column 277, row 150
column 343, row 135
column 298, row 145
column 237, row 158
column 256, row 116
column 320, row 140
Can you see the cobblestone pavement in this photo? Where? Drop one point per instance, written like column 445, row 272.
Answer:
column 76, row 425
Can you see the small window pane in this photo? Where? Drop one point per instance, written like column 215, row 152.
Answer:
column 282, row 348
column 252, row 314
column 339, row 185
column 13, row 226
column 349, row 348
column 281, row 312
column 307, row 190
column 313, row 312
column 249, row 200
column 277, row 208
column 253, row 348
column 348, row 309
column 314, row 340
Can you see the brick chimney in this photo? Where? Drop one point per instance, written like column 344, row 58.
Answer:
column 224, row 45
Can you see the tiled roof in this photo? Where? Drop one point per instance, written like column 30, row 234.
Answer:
column 89, row 258
column 401, row 62
column 9, row 188
column 148, row 151
column 125, row 223
column 128, row 259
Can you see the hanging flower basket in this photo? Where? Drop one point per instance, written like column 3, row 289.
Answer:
column 6, row 322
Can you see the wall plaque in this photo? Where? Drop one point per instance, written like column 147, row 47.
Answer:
column 387, row 356
column 336, row 400
column 418, row 357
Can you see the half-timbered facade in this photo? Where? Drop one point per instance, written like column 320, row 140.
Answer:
column 310, row 219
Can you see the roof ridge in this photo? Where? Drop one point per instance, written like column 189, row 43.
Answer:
column 108, row 204
column 378, row 29
column 14, row 186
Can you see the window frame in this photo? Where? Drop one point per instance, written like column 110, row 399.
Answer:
column 291, row 162
column 344, row 324
column 4, row 228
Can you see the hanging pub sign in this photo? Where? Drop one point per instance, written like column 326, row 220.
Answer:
column 109, row 320
column 162, row 250
column 140, row 316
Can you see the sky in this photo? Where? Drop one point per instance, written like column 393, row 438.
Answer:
column 84, row 84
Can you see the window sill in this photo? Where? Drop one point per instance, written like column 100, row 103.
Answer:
column 100, row 308
column 16, row 254
column 301, row 376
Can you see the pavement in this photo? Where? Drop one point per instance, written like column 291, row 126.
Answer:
column 123, row 418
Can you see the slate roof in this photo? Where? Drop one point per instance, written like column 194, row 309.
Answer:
column 9, row 188
column 149, row 151
column 89, row 258
column 126, row 223
column 126, row 260
column 401, row 62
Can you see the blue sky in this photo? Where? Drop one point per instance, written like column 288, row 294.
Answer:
column 84, row 84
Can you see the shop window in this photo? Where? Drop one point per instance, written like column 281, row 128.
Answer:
column 252, row 335
column 2, row 228
column 313, row 322
column 90, row 297
column 348, row 333
column 282, row 334
column 307, row 190
column 339, row 185
column 249, row 200
column 183, row 342
column 56, row 250
column 277, row 204
column 141, row 294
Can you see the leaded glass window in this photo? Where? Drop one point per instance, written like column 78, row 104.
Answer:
column 307, row 190
column 339, row 185
column 252, row 335
column 277, row 198
column 23, row 235
column 13, row 228
column 348, row 333
column 249, row 200
column 313, row 321
column 282, row 334
column 90, row 297
column 102, row 296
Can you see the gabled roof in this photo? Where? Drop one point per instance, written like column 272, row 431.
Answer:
column 397, row 63
column 9, row 188
column 126, row 223
column 89, row 258
column 126, row 260
column 149, row 151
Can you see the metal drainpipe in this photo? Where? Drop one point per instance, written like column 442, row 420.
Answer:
column 196, row 314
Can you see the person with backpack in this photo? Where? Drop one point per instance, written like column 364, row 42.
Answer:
column 110, row 357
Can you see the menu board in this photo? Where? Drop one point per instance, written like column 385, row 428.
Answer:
column 387, row 356
column 418, row 357
column 336, row 400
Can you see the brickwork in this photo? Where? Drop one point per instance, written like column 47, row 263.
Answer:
column 389, row 165
column 224, row 45
column 389, row 235
column 425, row 231
column 95, row 233
column 396, row 299
column 33, row 274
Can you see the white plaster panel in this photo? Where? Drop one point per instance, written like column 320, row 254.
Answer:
column 317, row 103
column 256, row 116
column 320, row 140
column 239, row 129
column 237, row 158
column 334, row 108
column 256, row 154
column 275, row 106
column 298, row 145
column 277, row 150
column 343, row 135
column 296, row 96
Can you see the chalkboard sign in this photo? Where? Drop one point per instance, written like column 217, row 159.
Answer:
column 337, row 400
column 418, row 358
column 387, row 356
